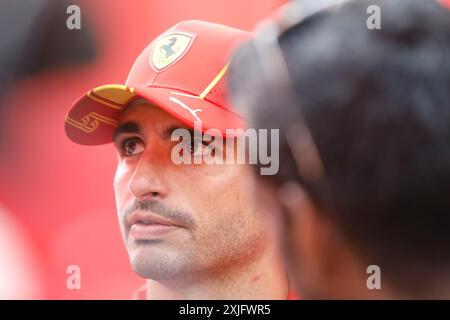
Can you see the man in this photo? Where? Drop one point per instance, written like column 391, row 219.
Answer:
column 362, row 195
column 189, row 229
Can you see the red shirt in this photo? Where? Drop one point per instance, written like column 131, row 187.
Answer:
column 142, row 294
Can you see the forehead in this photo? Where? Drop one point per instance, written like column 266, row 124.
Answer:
column 147, row 114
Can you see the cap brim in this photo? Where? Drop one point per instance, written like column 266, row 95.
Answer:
column 93, row 117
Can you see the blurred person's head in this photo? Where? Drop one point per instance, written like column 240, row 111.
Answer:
column 192, row 228
column 377, row 105
column 27, row 50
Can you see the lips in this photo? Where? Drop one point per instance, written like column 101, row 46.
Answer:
column 147, row 226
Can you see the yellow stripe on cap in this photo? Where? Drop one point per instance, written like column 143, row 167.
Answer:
column 214, row 82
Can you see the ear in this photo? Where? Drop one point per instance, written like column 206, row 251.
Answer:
column 310, row 241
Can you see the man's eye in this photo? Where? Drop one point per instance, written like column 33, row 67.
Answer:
column 131, row 147
column 195, row 147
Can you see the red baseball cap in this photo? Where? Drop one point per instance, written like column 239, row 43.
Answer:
column 182, row 72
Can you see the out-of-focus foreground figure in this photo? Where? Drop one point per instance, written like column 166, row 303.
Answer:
column 362, row 195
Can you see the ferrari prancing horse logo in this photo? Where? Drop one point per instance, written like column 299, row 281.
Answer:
column 170, row 49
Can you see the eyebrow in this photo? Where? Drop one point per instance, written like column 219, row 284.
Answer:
column 127, row 127
column 133, row 127
column 166, row 134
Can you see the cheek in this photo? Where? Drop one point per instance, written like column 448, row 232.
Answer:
column 207, row 191
column 265, row 195
column 224, row 184
column 121, row 179
column 226, row 196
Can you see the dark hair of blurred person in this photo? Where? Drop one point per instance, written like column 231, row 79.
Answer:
column 34, row 39
column 377, row 104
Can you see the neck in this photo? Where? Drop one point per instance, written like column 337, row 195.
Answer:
column 260, row 279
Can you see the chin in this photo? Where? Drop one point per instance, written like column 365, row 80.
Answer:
column 150, row 263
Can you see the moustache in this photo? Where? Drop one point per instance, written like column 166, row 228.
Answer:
column 156, row 207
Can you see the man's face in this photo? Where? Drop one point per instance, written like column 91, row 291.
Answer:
column 180, row 222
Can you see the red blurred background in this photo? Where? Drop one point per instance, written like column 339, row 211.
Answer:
column 59, row 195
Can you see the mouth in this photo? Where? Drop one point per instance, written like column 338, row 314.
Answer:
column 149, row 226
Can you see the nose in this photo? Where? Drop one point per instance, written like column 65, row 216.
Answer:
column 147, row 181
